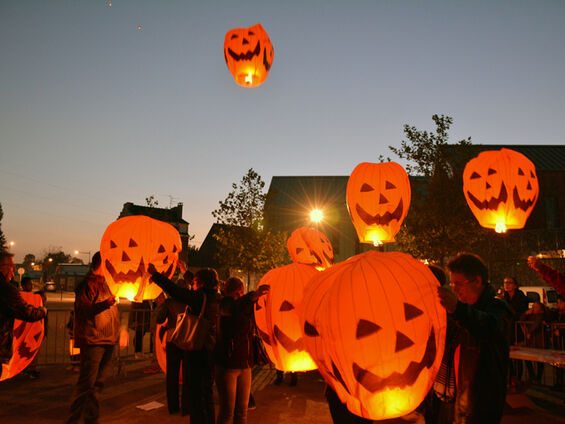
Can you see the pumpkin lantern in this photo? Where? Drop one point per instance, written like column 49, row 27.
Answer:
column 311, row 247
column 378, row 198
column 277, row 319
column 26, row 342
column 501, row 189
column 248, row 52
column 376, row 330
column 128, row 246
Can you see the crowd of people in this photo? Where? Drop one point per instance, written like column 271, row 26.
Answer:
column 470, row 387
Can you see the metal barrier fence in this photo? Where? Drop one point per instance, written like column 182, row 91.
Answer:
column 55, row 348
column 549, row 335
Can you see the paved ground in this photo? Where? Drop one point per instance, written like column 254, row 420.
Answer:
column 46, row 399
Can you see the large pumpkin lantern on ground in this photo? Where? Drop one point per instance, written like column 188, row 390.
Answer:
column 311, row 247
column 278, row 322
column 376, row 329
column 378, row 198
column 249, row 55
column 128, row 246
column 27, row 340
column 501, row 188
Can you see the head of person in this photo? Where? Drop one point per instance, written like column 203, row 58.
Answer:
column 206, row 278
column 234, row 288
column 27, row 284
column 469, row 277
column 510, row 285
column 188, row 277
column 439, row 273
column 7, row 266
column 95, row 263
column 538, row 308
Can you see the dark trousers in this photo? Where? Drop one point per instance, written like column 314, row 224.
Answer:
column 176, row 357
column 234, row 387
column 95, row 364
column 199, row 373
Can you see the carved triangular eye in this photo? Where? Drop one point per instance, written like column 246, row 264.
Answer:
column 125, row 257
column 402, row 342
column 286, row 306
column 411, row 312
column 310, row 330
column 251, row 33
column 234, row 36
column 520, row 172
column 366, row 187
column 112, row 244
column 532, row 174
column 474, row 176
column 382, row 200
column 389, row 185
column 488, row 185
column 132, row 243
column 529, row 186
column 366, row 328
column 161, row 249
column 491, row 171
column 257, row 306
column 166, row 260
column 299, row 250
column 174, row 249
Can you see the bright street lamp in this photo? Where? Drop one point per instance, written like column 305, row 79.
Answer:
column 79, row 252
column 316, row 215
column 12, row 243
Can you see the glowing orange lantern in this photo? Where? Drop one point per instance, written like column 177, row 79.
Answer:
column 376, row 329
column 311, row 247
column 26, row 340
column 249, row 55
column 72, row 349
column 378, row 198
column 128, row 246
column 501, row 188
column 276, row 315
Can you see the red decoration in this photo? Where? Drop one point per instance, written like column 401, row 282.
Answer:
column 501, row 188
column 378, row 198
column 374, row 326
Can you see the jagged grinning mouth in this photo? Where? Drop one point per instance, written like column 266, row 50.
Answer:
column 493, row 203
column 132, row 276
column 380, row 219
column 246, row 56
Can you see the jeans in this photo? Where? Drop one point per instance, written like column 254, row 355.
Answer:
column 95, row 364
column 176, row 357
column 234, row 386
column 199, row 373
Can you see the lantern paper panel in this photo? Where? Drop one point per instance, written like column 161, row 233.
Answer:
column 27, row 340
column 311, row 247
column 248, row 53
column 501, row 188
column 378, row 198
column 128, row 246
column 277, row 318
column 375, row 328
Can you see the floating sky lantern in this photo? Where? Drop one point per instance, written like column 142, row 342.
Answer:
column 248, row 53
column 311, row 247
column 375, row 328
column 27, row 338
column 276, row 315
column 501, row 188
column 128, row 246
column 378, row 198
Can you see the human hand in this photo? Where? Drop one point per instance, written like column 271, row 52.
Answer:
column 110, row 301
column 263, row 289
column 447, row 298
column 534, row 262
column 182, row 266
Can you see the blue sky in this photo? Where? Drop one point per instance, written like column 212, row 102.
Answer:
column 95, row 113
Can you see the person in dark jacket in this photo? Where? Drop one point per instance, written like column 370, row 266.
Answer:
column 12, row 306
column 200, row 372
column 482, row 340
column 96, row 332
column 176, row 356
column 234, row 350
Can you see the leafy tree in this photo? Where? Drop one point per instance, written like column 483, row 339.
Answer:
column 50, row 262
column 243, row 242
column 3, row 245
column 29, row 259
column 439, row 223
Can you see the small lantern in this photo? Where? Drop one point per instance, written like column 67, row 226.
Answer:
column 501, row 189
column 311, row 247
column 249, row 55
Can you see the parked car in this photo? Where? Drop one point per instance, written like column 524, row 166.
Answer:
column 544, row 294
column 50, row 286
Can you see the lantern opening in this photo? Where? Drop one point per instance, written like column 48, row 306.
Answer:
column 500, row 227
column 249, row 78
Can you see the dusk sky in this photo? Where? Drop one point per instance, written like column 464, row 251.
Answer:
column 95, row 112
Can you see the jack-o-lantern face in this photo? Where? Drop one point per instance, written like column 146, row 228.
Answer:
column 311, row 247
column 380, row 346
column 128, row 246
column 26, row 342
column 378, row 198
column 249, row 55
column 501, row 188
column 277, row 317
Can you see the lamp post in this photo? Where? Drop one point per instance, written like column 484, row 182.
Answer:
column 79, row 252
